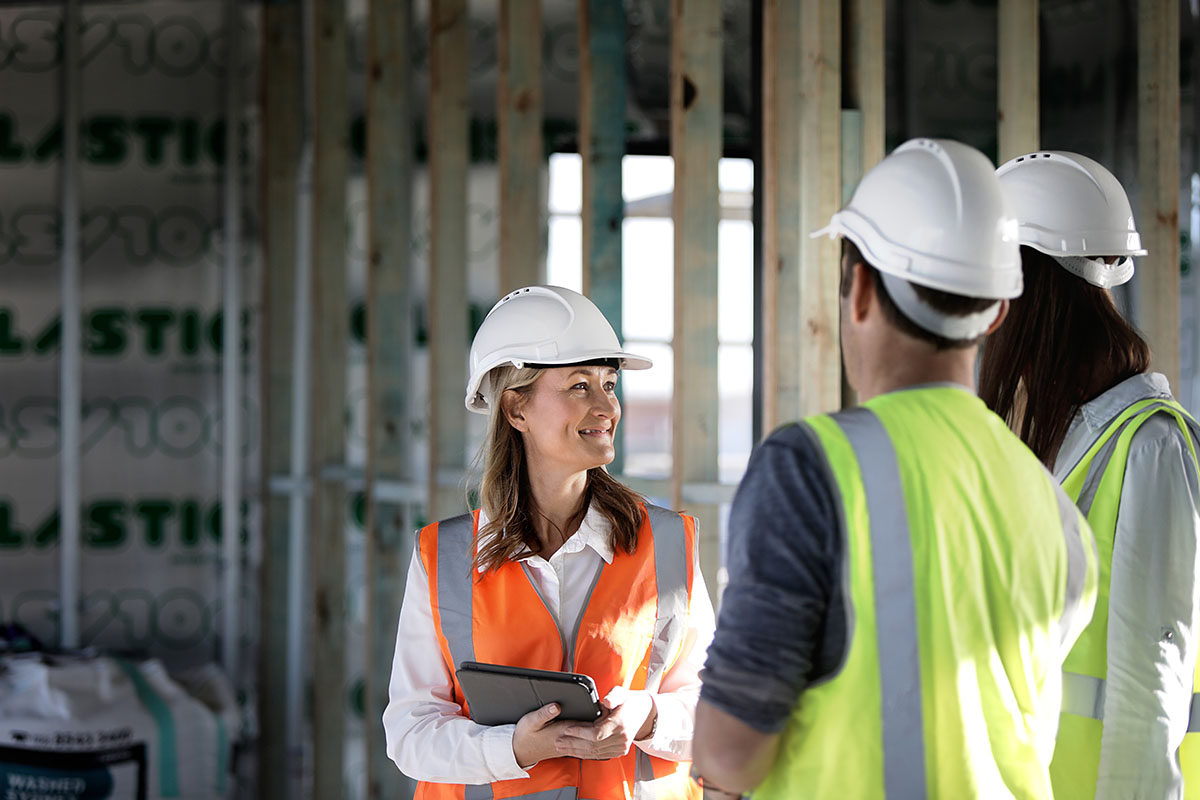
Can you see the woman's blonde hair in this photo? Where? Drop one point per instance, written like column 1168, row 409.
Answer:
column 505, row 490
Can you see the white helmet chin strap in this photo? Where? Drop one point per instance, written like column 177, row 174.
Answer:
column 1096, row 272
column 954, row 328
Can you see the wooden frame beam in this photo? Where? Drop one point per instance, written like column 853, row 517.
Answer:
column 281, row 128
column 330, row 346
column 1158, row 182
column 390, row 333
column 448, row 320
column 521, row 151
column 601, row 149
column 696, row 145
column 818, row 380
column 1017, row 57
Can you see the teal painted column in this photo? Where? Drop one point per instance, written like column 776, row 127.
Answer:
column 601, row 147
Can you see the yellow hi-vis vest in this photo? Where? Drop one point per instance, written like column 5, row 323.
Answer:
column 1095, row 485
column 967, row 574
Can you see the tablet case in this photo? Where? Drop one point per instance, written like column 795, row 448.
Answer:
column 501, row 695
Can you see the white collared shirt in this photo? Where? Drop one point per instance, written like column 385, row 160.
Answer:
column 427, row 735
column 1154, row 589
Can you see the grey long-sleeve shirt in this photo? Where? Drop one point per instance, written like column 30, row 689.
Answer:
column 784, row 580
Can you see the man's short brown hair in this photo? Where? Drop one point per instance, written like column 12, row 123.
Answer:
column 954, row 305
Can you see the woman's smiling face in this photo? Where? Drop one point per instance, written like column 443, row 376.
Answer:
column 569, row 417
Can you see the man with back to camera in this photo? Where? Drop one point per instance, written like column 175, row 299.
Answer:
column 905, row 578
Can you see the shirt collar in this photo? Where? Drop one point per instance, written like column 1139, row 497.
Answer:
column 594, row 532
column 1096, row 415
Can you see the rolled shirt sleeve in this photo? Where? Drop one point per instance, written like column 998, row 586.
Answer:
column 784, row 555
column 1152, row 618
column 427, row 734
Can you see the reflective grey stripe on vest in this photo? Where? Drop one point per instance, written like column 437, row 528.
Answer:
column 1095, row 473
column 1083, row 696
column 670, row 572
column 455, row 564
column 643, row 774
column 1076, row 559
column 565, row 793
column 895, row 604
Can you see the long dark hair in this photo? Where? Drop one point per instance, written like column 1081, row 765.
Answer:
column 508, row 500
column 1063, row 344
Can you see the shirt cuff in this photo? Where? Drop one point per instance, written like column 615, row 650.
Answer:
column 672, row 739
column 498, row 753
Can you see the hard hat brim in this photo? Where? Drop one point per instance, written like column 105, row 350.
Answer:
column 477, row 403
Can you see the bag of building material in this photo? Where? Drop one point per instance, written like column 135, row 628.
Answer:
column 99, row 728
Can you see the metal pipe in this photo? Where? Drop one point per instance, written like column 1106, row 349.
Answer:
column 71, row 358
column 298, row 499
column 231, row 346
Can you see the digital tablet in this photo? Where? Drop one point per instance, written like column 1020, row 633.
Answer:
column 500, row 695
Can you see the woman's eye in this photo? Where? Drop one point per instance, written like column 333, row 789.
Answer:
column 580, row 386
column 610, row 386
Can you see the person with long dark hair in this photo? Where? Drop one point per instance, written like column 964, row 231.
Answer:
column 561, row 568
column 1072, row 378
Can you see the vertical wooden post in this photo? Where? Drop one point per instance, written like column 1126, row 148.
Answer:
column 864, row 120
column 865, row 80
column 448, row 254
column 696, row 143
column 1158, row 181
column 601, row 148
column 802, row 136
column 1017, row 49
column 330, row 335
column 818, row 381
column 389, row 337
column 781, row 208
column 281, row 136
column 521, row 155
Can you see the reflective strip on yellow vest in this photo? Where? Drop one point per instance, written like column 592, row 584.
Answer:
column 456, row 617
column 1095, row 483
column 902, row 718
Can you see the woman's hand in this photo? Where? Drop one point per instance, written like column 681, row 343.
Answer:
column 536, row 734
column 628, row 716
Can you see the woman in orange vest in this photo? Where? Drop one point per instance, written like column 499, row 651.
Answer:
column 563, row 568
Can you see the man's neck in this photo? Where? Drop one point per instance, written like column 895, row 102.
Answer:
column 911, row 363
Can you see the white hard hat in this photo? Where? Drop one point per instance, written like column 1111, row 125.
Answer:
column 542, row 325
column 933, row 213
column 1073, row 209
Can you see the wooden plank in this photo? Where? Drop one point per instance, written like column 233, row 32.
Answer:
column 696, row 142
column 863, row 122
column 329, row 348
column 818, row 380
column 865, row 79
column 1157, row 288
column 448, row 254
column 1017, row 62
column 390, row 334
column 281, row 137
column 521, row 155
column 601, row 149
column 781, row 206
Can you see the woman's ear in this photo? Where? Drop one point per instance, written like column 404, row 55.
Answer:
column 512, row 406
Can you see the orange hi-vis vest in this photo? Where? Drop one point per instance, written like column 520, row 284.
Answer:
column 629, row 634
